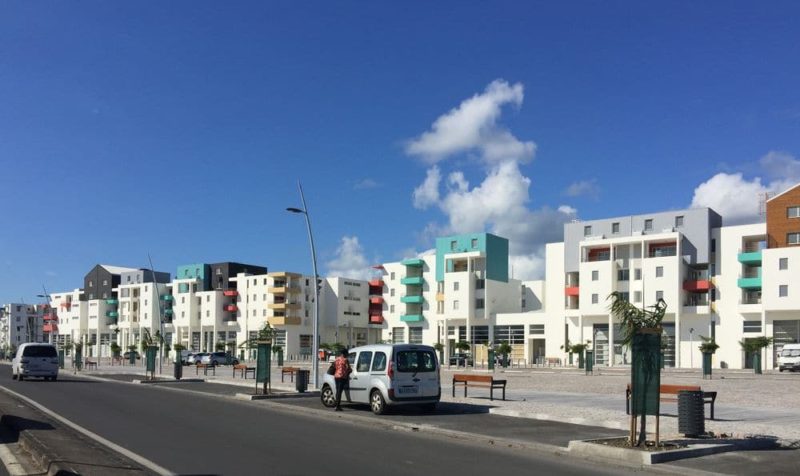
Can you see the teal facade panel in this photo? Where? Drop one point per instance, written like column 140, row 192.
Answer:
column 494, row 247
column 199, row 271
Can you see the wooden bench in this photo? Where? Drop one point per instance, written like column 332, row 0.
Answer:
column 90, row 364
column 485, row 381
column 244, row 370
column 669, row 393
column 205, row 368
column 289, row 371
column 552, row 361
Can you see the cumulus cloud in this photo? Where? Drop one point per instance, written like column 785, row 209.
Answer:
column 349, row 261
column 567, row 210
column 428, row 192
column 737, row 198
column 499, row 203
column 472, row 126
column 366, row 184
column 587, row 188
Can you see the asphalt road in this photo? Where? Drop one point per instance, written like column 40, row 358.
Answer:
column 206, row 434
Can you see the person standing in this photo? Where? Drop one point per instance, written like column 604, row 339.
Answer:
column 341, row 376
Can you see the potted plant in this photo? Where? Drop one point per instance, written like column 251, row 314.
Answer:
column 115, row 350
column 462, row 348
column 278, row 351
column 504, row 349
column 580, row 349
column 439, row 350
column 753, row 347
column 219, row 346
column 179, row 348
column 707, row 347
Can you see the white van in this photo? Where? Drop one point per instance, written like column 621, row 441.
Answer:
column 789, row 358
column 388, row 375
column 35, row 360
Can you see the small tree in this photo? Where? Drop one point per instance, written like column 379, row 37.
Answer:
column 753, row 347
column 115, row 349
column 219, row 346
column 462, row 346
column 709, row 345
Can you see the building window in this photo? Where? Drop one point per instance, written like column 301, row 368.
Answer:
column 398, row 335
column 595, row 275
column 615, row 228
column 751, row 326
column 793, row 212
column 637, row 274
column 648, row 224
column 453, row 245
column 455, row 286
column 587, row 230
column 391, row 292
column 637, row 296
column 623, row 274
column 474, row 243
column 793, row 238
column 391, row 275
column 659, row 295
column 415, row 335
column 783, row 290
column 455, row 305
column 479, row 303
column 625, row 296
column 594, row 298
column 536, row 329
column 713, row 245
column 659, row 271
column 391, row 308
column 783, row 264
column 480, row 283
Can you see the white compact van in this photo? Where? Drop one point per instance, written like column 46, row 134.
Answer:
column 789, row 358
column 35, row 360
column 388, row 375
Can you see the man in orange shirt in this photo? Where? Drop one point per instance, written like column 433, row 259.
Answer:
column 341, row 376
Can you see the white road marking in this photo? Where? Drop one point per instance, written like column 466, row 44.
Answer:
column 10, row 461
column 111, row 445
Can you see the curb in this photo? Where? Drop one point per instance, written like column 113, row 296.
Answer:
column 611, row 424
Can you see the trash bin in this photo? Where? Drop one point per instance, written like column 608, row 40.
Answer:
column 61, row 358
column 178, row 367
column 301, row 381
column 491, row 359
column 589, row 362
column 691, row 413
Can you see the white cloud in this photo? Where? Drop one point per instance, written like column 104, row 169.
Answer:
column 350, row 261
column 584, row 187
column 50, row 273
column 428, row 192
column 737, row 198
column 499, row 203
column 366, row 184
column 473, row 126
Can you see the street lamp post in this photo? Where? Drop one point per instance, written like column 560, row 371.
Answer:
column 315, row 337
column 46, row 297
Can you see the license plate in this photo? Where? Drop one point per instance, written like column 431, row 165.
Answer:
column 409, row 389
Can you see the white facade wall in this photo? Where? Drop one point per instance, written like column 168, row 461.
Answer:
column 19, row 323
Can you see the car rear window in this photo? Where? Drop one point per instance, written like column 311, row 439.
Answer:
column 39, row 351
column 416, row 361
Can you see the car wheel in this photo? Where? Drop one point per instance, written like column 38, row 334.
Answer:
column 780, row 369
column 327, row 396
column 377, row 403
column 13, row 376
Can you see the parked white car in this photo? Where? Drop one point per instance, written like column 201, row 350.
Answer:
column 35, row 360
column 789, row 358
column 389, row 374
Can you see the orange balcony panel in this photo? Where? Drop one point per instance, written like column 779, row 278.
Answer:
column 231, row 308
column 50, row 317
column 572, row 291
column 230, row 292
column 699, row 286
column 376, row 319
column 52, row 327
column 376, row 300
column 377, row 283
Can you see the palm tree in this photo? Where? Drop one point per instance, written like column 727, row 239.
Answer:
column 633, row 321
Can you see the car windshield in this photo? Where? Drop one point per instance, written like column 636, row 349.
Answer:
column 416, row 361
column 39, row 351
column 791, row 353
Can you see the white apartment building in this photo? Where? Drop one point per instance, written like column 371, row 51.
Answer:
column 20, row 323
column 72, row 325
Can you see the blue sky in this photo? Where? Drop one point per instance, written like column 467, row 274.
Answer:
column 180, row 129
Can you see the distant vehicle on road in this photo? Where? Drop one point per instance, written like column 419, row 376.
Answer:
column 194, row 358
column 386, row 375
column 789, row 358
column 218, row 358
column 35, row 360
column 461, row 360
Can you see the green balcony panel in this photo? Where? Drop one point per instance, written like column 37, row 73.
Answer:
column 166, row 297
column 167, row 312
column 112, row 302
column 751, row 258
column 416, row 280
column 412, row 299
column 412, row 318
column 750, row 283
column 113, row 314
column 416, row 262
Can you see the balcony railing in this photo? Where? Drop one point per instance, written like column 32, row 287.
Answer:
column 376, row 319
column 231, row 308
column 746, row 301
column 167, row 297
column 572, row 291
column 230, row 292
column 663, row 252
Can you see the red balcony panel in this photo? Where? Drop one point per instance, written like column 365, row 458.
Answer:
column 377, row 283
column 231, row 308
column 376, row 300
column 230, row 292
column 376, row 319
column 50, row 317
column 572, row 291
column 699, row 286
column 52, row 327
